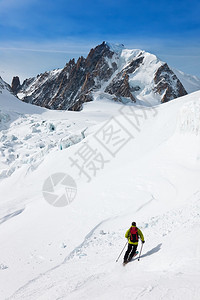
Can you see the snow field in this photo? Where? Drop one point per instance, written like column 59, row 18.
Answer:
column 163, row 271
column 70, row 253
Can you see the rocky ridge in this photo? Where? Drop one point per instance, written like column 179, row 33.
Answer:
column 4, row 85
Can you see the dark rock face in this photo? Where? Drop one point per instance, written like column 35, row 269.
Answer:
column 73, row 85
column 120, row 88
column 167, row 84
column 15, row 86
column 132, row 67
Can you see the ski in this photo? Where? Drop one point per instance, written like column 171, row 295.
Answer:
column 125, row 263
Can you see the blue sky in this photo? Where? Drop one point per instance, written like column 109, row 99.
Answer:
column 39, row 35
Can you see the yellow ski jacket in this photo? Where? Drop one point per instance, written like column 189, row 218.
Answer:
column 128, row 235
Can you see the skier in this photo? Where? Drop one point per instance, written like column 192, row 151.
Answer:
column 132, row 236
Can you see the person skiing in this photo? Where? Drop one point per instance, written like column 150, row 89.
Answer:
column 132, row 235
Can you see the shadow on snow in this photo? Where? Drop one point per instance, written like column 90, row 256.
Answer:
column 152, row 251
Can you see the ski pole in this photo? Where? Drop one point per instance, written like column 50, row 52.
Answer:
column 121, row 252
column 140, row 252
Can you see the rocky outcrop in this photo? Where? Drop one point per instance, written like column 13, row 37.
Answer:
column 15, row 86
column 120, row 88
column 134, row 64
column 167, row 84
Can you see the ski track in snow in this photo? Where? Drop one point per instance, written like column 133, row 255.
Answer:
column 11, row 215
column 97, row 239
column 76, row 251
column 145, row 204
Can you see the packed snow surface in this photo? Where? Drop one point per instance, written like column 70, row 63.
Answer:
column 140, row 164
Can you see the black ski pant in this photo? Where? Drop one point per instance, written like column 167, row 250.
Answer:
column 130, row 252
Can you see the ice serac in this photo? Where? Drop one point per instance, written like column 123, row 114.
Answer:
column 126, row 75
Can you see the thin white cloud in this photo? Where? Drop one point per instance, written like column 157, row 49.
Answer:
column 40, row 50
column 58, row 46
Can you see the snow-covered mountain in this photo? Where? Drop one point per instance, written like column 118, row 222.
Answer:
column 130, row 163
column 190, row 82
column 112, row 70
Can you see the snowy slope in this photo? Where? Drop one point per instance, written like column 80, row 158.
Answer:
column 153, row 179
column 190, row 82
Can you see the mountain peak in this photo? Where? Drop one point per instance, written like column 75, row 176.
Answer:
column 117, row 48
column 110, row 70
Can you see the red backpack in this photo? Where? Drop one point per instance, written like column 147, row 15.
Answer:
column 134, row 234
